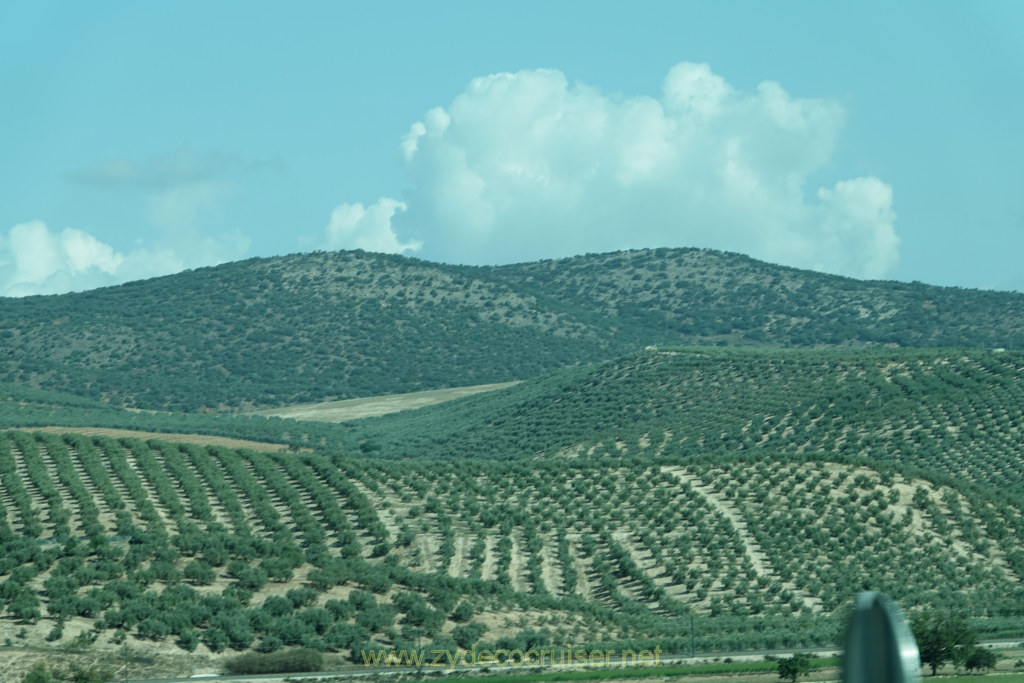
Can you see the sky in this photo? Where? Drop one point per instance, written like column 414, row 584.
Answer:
column 872, row 139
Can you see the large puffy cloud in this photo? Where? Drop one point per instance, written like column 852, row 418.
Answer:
column 39, row 261
column 36, row 260
column 525, row 165
column 353, row 226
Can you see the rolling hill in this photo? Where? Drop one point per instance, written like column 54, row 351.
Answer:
column 694, row 449
column 743, row 493
column 224, row 550
column 340, row 325
column 952, row 412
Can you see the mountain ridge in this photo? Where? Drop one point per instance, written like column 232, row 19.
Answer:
column 336, row 325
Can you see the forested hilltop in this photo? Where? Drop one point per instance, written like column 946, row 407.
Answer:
column 336, row 325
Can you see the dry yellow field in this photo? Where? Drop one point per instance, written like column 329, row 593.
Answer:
column 372, row 406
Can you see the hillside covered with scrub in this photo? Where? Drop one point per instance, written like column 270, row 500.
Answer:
column 335, row 325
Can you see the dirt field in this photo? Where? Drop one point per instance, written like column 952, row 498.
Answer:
column 356, row 408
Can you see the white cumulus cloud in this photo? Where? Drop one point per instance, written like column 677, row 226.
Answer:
column 353, row 226
column 36, row 260
column 526, row 165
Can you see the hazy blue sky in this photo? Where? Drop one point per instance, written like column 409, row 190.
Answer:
column 879, row 140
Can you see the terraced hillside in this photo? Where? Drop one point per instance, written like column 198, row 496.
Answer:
column 339, row 325
column 206, row 548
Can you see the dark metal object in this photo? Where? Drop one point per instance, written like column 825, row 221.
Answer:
column 880, row 648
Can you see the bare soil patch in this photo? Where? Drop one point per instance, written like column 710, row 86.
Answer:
column 372, row 406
